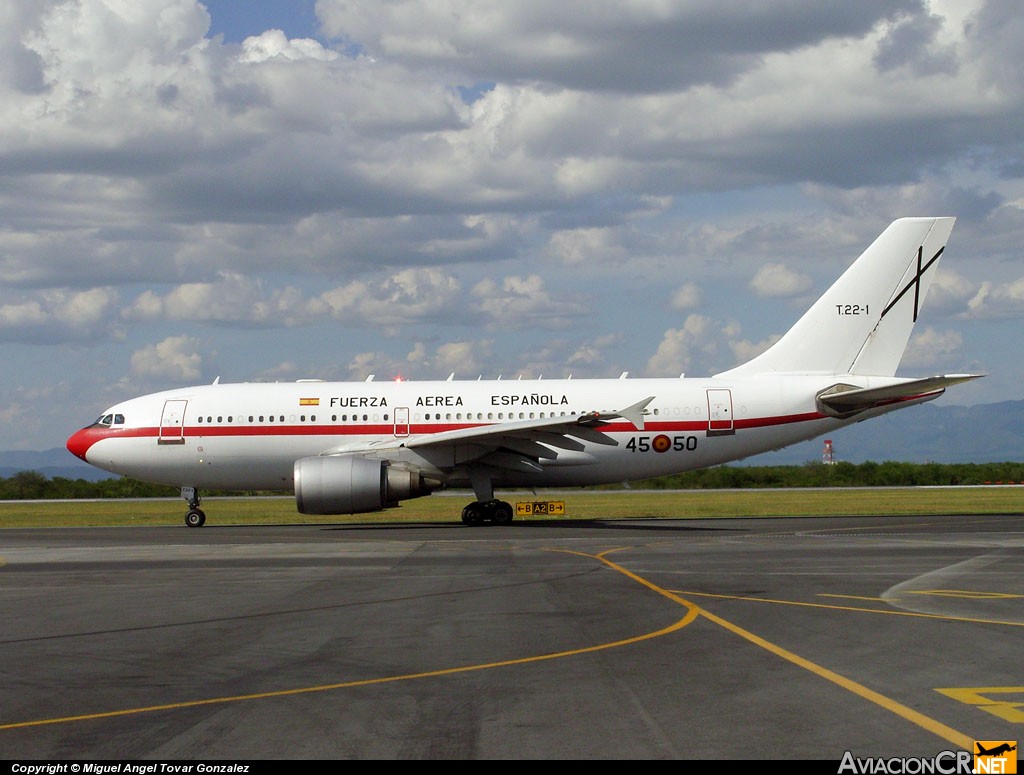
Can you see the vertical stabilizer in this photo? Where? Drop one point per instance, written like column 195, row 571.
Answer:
column 862, row 324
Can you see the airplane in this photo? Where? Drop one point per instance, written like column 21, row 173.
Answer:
column 360, row 447
column 996, row 751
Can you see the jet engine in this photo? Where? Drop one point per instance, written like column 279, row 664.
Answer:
column 354, row 484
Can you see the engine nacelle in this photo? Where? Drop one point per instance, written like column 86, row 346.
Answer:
column 354, row 484
column 340, row 484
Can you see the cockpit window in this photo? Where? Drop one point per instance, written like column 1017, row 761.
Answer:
column 110, row 419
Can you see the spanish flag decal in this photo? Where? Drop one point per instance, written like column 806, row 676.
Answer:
column 309, row 402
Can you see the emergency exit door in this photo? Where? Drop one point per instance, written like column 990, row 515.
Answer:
column 172, row 422
column 720, row 421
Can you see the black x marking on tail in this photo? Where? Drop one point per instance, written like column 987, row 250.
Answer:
column 915, row 283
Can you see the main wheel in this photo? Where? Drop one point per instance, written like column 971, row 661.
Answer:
column 501, row 513
column 195, row 518
column 473, row 514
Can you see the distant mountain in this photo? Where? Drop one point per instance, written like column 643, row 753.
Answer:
column 930, row 433
column 50, row 463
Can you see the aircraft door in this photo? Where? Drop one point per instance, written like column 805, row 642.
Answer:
column 172, row 422
column 401, row 421
column 720, row 421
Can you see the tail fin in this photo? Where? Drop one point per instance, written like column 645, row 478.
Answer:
column 861, row 324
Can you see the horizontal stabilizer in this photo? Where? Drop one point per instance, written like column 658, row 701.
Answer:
column 847, row 398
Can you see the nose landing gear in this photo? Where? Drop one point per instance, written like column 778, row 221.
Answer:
column 195, row 517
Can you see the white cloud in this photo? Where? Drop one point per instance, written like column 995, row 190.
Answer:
column 933, row 348
column 274, row 43
column 465, row 359
column 61, row 315
column 778, row 280
column 518, row 301
column 233, row 298
column 29, row 313
column 744, row 350
column 174, row 358
column 522, row 170
column 408, row 296
column 687, row 296
column 998, row 301
column 683, row 349
column 585, row 247
column 949, row 293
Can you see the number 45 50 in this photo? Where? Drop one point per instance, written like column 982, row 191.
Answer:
column 661, row 443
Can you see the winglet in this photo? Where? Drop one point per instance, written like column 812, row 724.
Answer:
column 635, row 413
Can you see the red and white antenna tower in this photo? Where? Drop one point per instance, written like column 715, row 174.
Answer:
column 826, row 455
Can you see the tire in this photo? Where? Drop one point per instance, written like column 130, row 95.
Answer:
column 502, row 513
column 473, row 514
column 195, row 518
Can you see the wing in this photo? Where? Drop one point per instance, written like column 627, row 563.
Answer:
column 517, row 446
column 847, row 398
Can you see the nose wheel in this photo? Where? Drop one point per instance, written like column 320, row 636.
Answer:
column 195, row 517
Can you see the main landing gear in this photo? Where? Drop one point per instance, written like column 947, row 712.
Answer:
column 494, row 510
column 486, row 508
column 195, row 517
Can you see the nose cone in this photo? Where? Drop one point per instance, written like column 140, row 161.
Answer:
column 80, row 442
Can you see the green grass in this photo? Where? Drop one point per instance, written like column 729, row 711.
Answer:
column 579, row 504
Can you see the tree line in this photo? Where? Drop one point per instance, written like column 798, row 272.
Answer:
column 868, row 474
column 32, row 485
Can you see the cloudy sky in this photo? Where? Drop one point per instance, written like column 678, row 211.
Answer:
column 284, row 190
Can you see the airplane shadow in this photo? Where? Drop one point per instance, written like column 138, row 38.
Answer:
column 641, row 524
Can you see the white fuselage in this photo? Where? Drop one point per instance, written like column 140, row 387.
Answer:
column 249, row 436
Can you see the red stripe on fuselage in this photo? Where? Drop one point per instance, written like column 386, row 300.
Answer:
column 80, row 442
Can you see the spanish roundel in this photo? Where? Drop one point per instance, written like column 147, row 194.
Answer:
column 661, row 443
